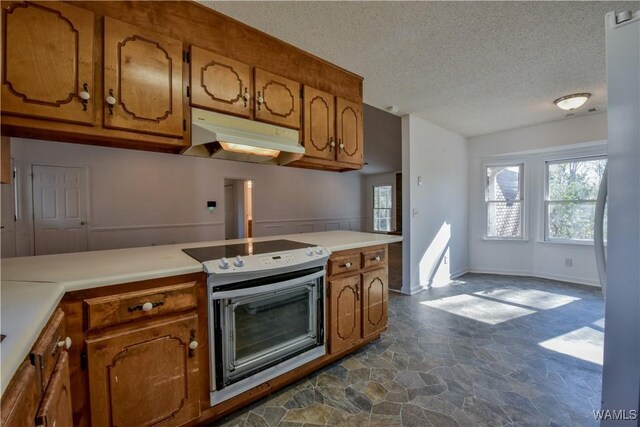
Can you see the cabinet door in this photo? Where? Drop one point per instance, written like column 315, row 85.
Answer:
column 47, row 51
column 20, row 399
column 319, row 124
column 220, row 83
column 349, row 131
column 277, row 99
column 344, row 313
column 375, row 302
column 144, row 376
column 55, row 409
column 142, row 80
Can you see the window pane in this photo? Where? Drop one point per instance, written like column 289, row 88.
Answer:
column 382, row 219
column 382, row 197
column 504, row 219
column 570, row 220
column 503, row 183
column 575, row 179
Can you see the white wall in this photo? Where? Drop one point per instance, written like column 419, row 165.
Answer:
column 435, row 214
column 370, row 181
column 572, row 137
column 140, row 198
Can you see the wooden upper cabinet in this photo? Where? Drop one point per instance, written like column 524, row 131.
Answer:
column 146, row 375
column 349, row 131
column 55, row 409
column 277, row 99
column 319, row 124
column 47, row 61
column 142, row 80
column 344, row 313
column 219, row 83
column 375, row 296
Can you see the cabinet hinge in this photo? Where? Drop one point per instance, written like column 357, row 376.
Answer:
column 184, row 124
column 188, row 91
column 328, row 291
column 186, row 56
column 83, row 360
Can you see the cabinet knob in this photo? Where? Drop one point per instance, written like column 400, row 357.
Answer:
column 111, row 101
column 332, row 144
column 347, row 265
column 85, row 96
column 377, row 258
column 66, row 343
column 147, row 306
column 193, row 345
column 246, row 97
column 259, row 100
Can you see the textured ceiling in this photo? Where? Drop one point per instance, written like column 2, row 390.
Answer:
column 471, row 67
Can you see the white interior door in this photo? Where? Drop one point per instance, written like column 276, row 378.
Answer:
column 59, row 209
column 231, row 231
column 7, row 213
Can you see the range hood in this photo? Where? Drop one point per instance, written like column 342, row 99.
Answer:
column 220, row 136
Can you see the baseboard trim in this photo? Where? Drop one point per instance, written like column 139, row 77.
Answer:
column 558, row 277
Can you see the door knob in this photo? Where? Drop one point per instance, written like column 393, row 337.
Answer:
column 83, row 223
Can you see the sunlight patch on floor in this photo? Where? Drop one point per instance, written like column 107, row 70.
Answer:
column 584, row 343
column 480, row 309
column 530, row 297
column 599, row 323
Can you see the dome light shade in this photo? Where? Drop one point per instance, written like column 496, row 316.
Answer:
column 573, row 101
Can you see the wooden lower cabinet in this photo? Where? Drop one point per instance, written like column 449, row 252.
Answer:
column 55, row 409
column 344, row 309
column 145, row 375
column 20, row 399
column 375, row 302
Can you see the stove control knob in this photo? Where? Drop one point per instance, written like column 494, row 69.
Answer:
column 309, row 252
column 223, row 264
column 319, row 250
column 239, row 262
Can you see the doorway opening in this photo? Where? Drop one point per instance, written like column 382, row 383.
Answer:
column 238, row 208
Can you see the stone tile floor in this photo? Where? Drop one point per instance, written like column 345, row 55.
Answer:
column 483, row 351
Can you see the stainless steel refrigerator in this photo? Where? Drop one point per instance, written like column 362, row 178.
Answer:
column 621, row 369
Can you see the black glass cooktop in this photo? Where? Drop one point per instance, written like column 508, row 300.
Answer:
column 209, row 253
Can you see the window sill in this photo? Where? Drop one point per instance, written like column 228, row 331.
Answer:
column 566, row 242
column 503, row 239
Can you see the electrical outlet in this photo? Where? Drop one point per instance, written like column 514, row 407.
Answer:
column 568, row 262
column 445, row 260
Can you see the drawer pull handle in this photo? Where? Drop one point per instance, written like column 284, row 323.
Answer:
column 376, row 259
column 346, row 265
column 147, row 306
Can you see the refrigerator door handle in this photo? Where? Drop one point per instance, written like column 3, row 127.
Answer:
column 598, row 233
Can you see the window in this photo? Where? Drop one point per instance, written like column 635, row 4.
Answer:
column 570, row 203
column 382, row 208
column 504, row 200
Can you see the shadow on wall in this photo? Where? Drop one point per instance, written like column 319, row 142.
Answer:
column 435, row 266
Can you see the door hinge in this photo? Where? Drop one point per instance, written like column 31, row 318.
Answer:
column 188, row 91
column 186, row 56
column 83, row 360
column 184, row 124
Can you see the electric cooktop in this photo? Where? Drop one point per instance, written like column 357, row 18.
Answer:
column 209, row 253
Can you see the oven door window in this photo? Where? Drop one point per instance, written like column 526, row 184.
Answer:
column 264, row 328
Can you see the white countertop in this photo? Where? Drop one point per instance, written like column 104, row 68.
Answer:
column 25, row 309
column 32, row 287
column 86, row 270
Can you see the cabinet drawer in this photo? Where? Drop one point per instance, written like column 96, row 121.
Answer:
column 48, row 347
column 344, row 264
column 114, row 309
column 374, row 258
column 55, row 409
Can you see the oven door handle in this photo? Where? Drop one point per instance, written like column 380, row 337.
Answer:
column 267, row 288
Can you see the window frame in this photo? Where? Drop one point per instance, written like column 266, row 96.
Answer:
column 545, row 197
column 374, row 208
column 522, row 200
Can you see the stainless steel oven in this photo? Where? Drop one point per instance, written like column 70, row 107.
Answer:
column 266, row 312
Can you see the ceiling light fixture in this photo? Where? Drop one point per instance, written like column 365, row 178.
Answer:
column 573, row 101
